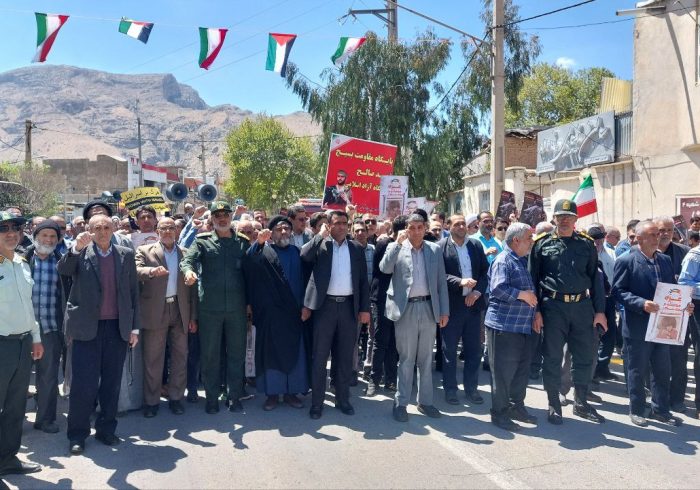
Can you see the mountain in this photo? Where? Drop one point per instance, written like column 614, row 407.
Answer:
column 80, row 113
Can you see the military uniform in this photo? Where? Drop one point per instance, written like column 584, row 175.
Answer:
column 218, row 263
column 569, row 291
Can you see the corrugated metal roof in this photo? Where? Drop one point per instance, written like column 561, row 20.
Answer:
column 616, row 95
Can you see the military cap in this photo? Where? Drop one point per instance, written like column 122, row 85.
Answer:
column 7, row 216
column 564, row 207
column 220, row 206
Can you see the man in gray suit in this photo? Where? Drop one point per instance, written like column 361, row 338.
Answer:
column 416, row 300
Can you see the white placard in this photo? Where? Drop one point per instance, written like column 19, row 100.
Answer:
column 669, row 324
column 393, row 190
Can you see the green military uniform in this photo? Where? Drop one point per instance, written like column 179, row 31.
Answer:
column 218, row 263
column 569, row 291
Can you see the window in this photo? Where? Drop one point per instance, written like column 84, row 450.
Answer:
column 484, row 199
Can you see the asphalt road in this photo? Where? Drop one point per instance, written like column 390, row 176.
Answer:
column 285, row 448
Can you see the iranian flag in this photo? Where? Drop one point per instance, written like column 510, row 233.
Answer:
column 346, row 47
column 585, row 198
column 210, row 42
column 137, row 30
column 278, row 49
column 47, row 27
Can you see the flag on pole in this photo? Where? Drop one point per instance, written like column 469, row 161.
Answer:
column 137, row 30
column 210, row 42
column 278, row 49
column 346, row 47
column 585, row 198
column 47, row 27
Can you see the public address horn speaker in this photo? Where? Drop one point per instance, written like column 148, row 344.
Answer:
column 206, row 192
column 176, row 192
column 117, row 195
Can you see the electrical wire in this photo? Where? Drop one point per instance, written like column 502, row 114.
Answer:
column 544, row 14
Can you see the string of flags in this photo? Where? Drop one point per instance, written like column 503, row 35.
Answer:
column 211, row 41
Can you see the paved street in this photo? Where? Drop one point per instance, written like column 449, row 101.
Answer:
column 285, row 448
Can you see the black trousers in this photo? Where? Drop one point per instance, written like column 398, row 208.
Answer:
column 607, row 341
column 15, row 368
column 97, row 373
column 192, row 362
column 509, row 356
column 385, row 357
column 47, row 377
column 335, row 329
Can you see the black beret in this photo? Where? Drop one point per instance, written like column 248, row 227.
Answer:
column 92, row 204
column 275, row 220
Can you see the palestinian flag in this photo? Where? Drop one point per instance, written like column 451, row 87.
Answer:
column 278, row 49
column 137, row 30
column 210, row 42
column 47, row 27
column 585, row 198
column 347, row 46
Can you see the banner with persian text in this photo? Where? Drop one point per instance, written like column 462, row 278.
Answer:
column 355, row 167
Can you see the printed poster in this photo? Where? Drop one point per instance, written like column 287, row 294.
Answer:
column 532, row 211
column 506, row 205
column 138, row 238
column 141, row 196
column 669, row 324
column 413, row 203
column 393, row 190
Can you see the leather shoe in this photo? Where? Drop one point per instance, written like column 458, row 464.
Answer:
column 679, row 407
column 107, row 439
column 390, row 386
column 150, row 411
column 429, row 411
column 192, row 397
column 554, row 417
column 400, row 414
column 520, row 413
column 293, row 401
column 212, row 406
column 505, row 423
column 475, row 398
column 271, row 403
column 563, row 400
column 76, row 447
column 17, row 467
column 176, row 407
column 315, row 412
column 346, row 408
column 451, row 397
column 638, row 420
column 666, row 419
column 592, row 397
column 235, row 406
column 48, row 427
column 587, row 412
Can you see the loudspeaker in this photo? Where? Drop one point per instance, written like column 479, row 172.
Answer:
column 206, row 192
column 117, row 195
column 106, row 195
column 176, row 192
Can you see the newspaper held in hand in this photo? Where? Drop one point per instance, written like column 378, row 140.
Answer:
column 670, row 323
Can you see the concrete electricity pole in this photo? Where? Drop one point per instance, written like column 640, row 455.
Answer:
column 28, row 142
column 204, row 163
column 389, row 15
column 138, row 129
column 497, row 106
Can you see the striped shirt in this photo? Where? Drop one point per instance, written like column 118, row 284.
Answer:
column 508, row 276
column 45, row 293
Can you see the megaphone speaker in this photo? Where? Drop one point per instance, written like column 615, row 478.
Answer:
column 117, row 195
column 206, row 192
column 176, row 192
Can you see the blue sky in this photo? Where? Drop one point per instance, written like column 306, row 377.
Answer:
column 90, row 38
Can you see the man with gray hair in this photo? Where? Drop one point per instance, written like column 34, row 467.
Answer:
column 509, row 322
column 543, row 227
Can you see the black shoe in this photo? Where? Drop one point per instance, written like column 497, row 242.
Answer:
column 535, row 375
column 585, row 411
column 315, row 412
column 107, row 439
column 563, row 401
column 235, row 406
column 17, row 467
column 638, row 420
column 592, row 397
column 400, row 414
column 486, row 366
column 48, row 427
column 505, row 423
column 192, row 397
column 150, row 411
column 346, row 408
column 475, row 398
column 76, row 447
column 664, row 418
column 390, row 386
column 353, row 380
column 520, row 413
column 293, row 401
column 371, row 389
column 554, row 416
column 212, row 406
column 176, row 407
column 679, row 407
column 451, row 397
column 607, row 376
column 429, row 411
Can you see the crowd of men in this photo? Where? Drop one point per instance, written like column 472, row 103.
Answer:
column 175, row 301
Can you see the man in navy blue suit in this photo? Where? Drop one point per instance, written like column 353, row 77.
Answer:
column 636, row 276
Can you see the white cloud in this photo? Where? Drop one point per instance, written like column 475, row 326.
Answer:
column 564, row 62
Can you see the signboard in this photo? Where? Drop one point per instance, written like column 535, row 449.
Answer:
column 532, row 211
column 393, row 190
column 687, row 205
column 142, row 196
column 506, row 205
column 133, row 172
column 669, row 324
column 355, row 167
column 582, row 143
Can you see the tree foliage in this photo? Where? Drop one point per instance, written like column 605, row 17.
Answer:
column 553, row 95
column 265, row 160
column 37, row 192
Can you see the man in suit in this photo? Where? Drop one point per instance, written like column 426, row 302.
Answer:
column 301, row 235
column 101, row 320
column 338, row 293
column 466, row 269
column 416, row 300
column 636, row 276
column 168, row 313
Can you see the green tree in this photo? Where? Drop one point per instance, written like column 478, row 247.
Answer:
column 269, row 166
column 33, row 189
column 553, row 95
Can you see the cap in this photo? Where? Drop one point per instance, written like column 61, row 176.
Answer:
column 220, row 206
column 47, row 224
column 92, row 204
column 275, row 220
column 565, row 207
column 471, row 219
column 596, row 233
column 7, row 216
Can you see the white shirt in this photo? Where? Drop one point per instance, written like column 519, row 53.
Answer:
column 608, row 264
column 171, row 265
column 341, row 271
column 465, row 264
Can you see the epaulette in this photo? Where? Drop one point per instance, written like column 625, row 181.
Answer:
column 585, row 235
column 2, row 259
column 243, row 237
column 206, row 234
column 541, row 235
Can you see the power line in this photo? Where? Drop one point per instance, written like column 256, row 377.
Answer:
column 13, row 144
column 544, row 14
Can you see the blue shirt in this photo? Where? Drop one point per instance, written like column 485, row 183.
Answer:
column 690, row 271
column 508, row 276
column 488, row 243
column 45, row 294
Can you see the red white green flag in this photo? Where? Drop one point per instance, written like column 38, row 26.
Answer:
column 585, row 198
column 210, row 42
column 47, row 27
column 346, row 47
column 278, row 49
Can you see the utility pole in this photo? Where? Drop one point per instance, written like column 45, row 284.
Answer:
column 388, row 15
column 28, row 142
column 138, row 129
column 204, row 163
column 497, row 106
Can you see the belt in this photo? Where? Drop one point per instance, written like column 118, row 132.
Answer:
column 171, row 299
column 15, row 336
column 338, row 299
column 416, row 299
column 567, row 298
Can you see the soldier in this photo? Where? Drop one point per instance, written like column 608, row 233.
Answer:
column 571, row 302
column 218, row 258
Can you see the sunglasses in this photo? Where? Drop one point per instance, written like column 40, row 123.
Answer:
column 502, row 228
column 370, row 221
column 13, row 227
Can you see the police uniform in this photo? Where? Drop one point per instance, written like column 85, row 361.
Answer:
column 564, row 271
column 218, row 263
column 18, row 330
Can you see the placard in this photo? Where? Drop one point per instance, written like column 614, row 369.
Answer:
column 669, row 324
column 506, row 205
column 393, row 190
column 532, row 211
column 142, row 196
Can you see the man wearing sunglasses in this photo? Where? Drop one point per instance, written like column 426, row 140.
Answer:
column 20, row 341
column 371, row 223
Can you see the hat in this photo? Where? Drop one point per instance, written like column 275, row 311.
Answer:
column 47, row 224
column 7, row 216
column 220, row 206
column 276, row 220
column 471, row 219
column 92, row 204
column 596, row 233
column 565, row 207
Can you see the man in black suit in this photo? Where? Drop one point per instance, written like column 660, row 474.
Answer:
column 101, row 320
column 466, row 268
column 338, row 292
